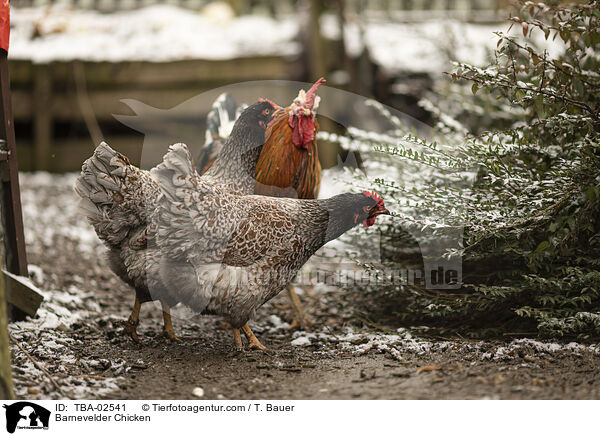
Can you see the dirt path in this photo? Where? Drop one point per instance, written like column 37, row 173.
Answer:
column 78, row 338
column 173, row 370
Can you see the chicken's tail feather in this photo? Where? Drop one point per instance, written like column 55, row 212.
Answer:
column 114, row 194
column 180, row 205
column 219, row 123
column 175, row 171
column 221, row 118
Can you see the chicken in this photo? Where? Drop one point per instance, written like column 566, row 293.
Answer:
column 289, row 162
column 120, row 200
column 227, row 254
column 219, row 123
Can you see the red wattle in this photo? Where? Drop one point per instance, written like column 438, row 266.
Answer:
column 303, row 131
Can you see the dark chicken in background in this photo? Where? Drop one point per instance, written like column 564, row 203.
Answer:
column 219, row 123
column 120, row 200
column 226, row 254
column 288, row 165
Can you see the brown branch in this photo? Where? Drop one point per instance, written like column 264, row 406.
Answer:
column 546, row 62
column 507, row 84
column 38, row 366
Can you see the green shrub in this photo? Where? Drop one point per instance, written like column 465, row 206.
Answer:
column 522, row 177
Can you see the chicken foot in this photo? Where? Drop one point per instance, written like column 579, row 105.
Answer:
column 168, row 331
column 253, row 342
column 133, row 321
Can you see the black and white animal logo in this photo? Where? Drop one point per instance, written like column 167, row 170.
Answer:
column 26, row 415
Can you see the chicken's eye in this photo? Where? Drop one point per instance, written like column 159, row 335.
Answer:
column 266, row 111
column 366, row 209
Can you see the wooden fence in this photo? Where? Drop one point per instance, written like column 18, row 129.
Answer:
column 53, row 103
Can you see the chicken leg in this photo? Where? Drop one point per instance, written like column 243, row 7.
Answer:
column 301, row 319
column 253, row 342
column 238, row 339
column 168, row 330
column 133, row 321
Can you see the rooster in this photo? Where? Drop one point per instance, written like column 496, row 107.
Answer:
column 288, row 165
column 119, row 201
column 227, row 254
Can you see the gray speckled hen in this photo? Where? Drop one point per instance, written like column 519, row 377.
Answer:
column 228, row 254
column 120, row 199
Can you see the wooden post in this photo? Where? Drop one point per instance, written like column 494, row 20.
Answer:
column 317, row 64
column 42, row 117
column 16, row 259
column 6, row 383
column 23, row 298
column 315, row 54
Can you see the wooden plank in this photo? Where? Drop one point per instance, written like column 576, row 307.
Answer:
column 22, row 105
column 47, row 93
column 22, row 294
column 165, row 73
column 68, row 154
column 159, row 84
column 21, row 72
column 192, row 71
column 106, row 102
column 25, row 152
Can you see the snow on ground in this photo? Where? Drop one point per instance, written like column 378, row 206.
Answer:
column 402, row 342
column 41, row 222
column 163, row 33
column 51, row 222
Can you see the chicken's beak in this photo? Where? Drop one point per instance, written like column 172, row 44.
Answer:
column 384, row 211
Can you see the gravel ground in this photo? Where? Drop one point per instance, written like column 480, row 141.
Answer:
column 77, row 337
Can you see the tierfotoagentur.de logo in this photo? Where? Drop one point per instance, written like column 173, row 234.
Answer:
column 25, row 415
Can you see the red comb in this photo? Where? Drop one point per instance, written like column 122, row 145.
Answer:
column 374, row 196
column 312, row 93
